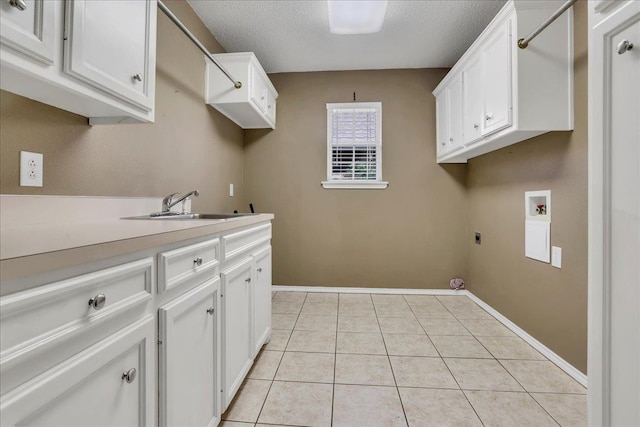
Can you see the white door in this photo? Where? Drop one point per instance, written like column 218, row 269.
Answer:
column 108, row 384
column 442, row 127
column 472, row 100
column 261, row 299
column 29, row 28
column 496, row 63
column 454, row 104
column 237, row 346
column 614, row 220
column 189, row 360
column 111, row 45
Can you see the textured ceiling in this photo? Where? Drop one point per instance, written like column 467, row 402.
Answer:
column 293, row 35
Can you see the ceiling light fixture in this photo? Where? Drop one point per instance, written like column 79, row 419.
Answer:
column 356, row 16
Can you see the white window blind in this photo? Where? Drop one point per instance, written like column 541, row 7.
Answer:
column 354, row 144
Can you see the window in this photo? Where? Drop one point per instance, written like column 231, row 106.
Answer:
column 354, row 146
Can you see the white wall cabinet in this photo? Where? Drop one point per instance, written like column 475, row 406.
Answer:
column 189, row 362
column 95, row 58
column 30, row 31
column 121, row 64
column 509, row 94
column 252, row 106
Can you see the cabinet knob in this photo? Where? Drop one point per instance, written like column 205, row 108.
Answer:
column 98, row 301
column 269, row 106
column 130, row 375
column 442, row 143
column 450, row 139
column 211, row 310
column 624, row 46
column 248, row 280
column 137, row 77
column 260, row 270
column 488, row 117
column 197, row 262
column 18, row 4
column 476, row 126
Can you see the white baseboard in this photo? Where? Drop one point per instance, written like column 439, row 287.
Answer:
column 366, row 290
column 543, row 349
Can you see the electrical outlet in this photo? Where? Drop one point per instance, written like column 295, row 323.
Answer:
column 556, row 257
column 230, row 190
column 31, row 169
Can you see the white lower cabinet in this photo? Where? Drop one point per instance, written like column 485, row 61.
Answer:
column 109, row 384
column 237, row 348
column 261, row 299
column 188, row 355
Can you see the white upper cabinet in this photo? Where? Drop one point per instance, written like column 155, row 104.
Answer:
column 109, row 45
column 95, row 58
column 508, row 94
column 29, row 28
column 496, row 80
column 252, row 106
column 472, row 100
column 454, row 114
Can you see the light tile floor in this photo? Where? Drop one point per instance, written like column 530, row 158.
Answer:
column 369, row 360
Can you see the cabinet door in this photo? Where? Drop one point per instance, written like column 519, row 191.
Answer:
column 189, row 371
column 258, row 89
column 271, row 108
column 111, row 45
column 472, row 100
column 454, row 113
column 261, row 299
column 30, row 31
column 496, row 60
column 237, row 347
column 442, row 127
column 108, row 384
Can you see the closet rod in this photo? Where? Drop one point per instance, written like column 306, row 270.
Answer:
column 523, row 43
column 236, row 83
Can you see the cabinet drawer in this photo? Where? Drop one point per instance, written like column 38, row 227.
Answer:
column 92, row 388
column 235, row 244
column 35, row 320
column 180, row 265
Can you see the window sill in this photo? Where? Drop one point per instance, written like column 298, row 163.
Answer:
column 355, row 185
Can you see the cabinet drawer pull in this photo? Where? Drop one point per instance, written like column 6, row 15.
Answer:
column 130, row 375
column 137, row 77
column 98, row 301
column 198, row 261
column 248, row 280
column 211, row 310
column 18, row 4
column 260, row 270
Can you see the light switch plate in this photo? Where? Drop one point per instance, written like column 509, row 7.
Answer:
column 31, row 169
column 556, row 257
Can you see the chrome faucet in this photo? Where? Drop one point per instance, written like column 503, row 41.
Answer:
column 168, row 202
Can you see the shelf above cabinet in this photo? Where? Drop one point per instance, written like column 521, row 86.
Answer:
column 253, row 106
column 508, row 94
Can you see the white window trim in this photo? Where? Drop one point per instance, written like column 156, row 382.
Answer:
column 357, row 184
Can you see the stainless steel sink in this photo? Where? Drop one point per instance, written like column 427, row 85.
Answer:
column 191, row 216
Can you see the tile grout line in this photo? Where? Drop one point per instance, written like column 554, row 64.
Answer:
column 279, row 363
column 404, row 412
column 335, row 362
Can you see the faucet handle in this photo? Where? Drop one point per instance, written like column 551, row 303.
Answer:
column 167, row 201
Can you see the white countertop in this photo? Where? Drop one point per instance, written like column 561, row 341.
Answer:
column 33, row 243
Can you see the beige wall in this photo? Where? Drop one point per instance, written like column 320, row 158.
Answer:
column 411, row 235
column 548, row 303
column 190, row 145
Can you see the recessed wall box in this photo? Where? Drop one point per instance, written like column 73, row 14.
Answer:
column 537, row 229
